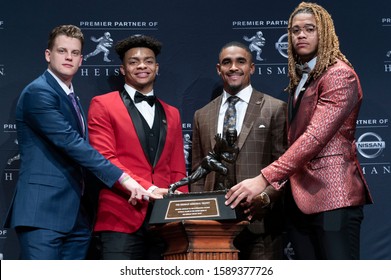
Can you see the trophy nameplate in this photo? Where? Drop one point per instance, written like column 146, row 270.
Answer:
column 202, row 205
column 193, row 206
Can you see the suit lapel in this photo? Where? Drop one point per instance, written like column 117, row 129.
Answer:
column 134, row 115
column 214, row 117
column 253, row 111
column 57, row 88
column 292, row 109
column 160, row 116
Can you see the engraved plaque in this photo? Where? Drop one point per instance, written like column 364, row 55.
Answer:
column 193, row 206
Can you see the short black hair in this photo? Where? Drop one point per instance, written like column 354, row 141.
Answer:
column 236, row 44
column 137, row 41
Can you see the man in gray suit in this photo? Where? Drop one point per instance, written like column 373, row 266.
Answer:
column 260, row 123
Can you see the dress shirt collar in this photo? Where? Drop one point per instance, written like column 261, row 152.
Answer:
column 132, row 91
column 312, row 63
column 67, row 89
column 244, row 94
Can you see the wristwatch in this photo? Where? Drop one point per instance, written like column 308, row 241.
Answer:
column 265, row 199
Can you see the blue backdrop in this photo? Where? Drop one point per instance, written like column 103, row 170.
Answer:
column 192, row 33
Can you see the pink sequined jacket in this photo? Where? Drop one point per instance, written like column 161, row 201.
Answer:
column 321, row 162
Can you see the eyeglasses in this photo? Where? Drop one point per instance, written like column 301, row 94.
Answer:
column 308, row 30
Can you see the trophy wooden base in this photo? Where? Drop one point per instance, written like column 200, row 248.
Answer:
column 201, row 239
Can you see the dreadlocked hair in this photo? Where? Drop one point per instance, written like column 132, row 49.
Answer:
column 328, row 45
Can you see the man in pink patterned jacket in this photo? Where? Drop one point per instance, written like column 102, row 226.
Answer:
column 325, row 210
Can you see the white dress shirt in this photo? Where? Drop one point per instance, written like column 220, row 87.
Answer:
column 147, row 111
column 304, row 77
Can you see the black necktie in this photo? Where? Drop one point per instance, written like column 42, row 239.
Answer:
column 138, row 97
column 230, row 114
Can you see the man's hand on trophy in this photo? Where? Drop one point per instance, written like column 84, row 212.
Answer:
column 137, row 192
column 245, row 191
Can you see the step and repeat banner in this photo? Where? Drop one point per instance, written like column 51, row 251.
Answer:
column 192, row 33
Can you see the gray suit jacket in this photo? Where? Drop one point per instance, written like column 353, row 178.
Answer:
column 261, row 140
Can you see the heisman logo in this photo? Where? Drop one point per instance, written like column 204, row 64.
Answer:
column 256, row 43
column 15, row 157
column 370, row 145
column 104, row 43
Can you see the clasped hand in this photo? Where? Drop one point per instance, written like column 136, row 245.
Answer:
column 244, row 192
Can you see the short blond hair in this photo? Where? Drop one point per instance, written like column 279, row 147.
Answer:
column 67, row 30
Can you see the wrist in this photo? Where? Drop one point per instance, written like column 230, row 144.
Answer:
column 265, row 199
column 124, row 177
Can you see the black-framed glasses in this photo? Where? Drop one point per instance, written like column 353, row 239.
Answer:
column 308, row 29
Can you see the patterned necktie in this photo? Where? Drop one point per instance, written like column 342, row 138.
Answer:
column 77, row 109
column 139, row 97
column 230, row 114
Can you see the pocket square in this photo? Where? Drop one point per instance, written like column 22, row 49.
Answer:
column 262, row 126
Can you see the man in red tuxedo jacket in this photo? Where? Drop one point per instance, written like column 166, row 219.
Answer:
column 142, row 135
column 327, row 184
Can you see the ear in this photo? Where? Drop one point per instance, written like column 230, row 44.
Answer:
column 47, row 55
column 252, row 68
column 122, row 70
column 218, row 69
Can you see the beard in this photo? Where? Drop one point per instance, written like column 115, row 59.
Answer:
column 234, row 89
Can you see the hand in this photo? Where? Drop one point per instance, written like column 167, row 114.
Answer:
column 256, row 209
column 160, row 192
column 245, row 191
column 163, row 191
column 137, row 192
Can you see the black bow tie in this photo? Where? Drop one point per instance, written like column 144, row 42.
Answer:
column 303, row 68
column 138, row 97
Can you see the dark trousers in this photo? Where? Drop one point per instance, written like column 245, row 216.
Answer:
column 46, row 244
column 144, row 244
column 330, row 235
column 264, row 246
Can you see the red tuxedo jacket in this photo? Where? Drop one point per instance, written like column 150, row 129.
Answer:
column 321, row 161
column 113, row 133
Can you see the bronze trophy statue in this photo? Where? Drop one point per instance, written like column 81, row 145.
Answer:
column 224, row 150
column 204, row 205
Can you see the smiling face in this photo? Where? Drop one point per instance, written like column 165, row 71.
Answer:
column 305, row 38
column 64, row 58
column 235, row 68
column 140, row 68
